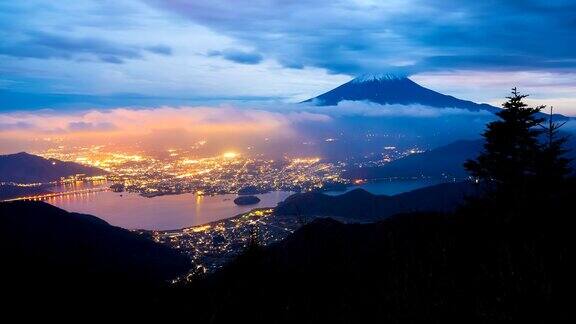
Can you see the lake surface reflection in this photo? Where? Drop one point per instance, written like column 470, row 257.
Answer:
column 132, row 211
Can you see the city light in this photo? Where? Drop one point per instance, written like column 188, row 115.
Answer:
column 210, row 246
column 230, row 155
column 189, row 171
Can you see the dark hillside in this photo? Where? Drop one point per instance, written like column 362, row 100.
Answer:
column 360, row 205
column 42, row 245
column 412, row 268
column 27, row 168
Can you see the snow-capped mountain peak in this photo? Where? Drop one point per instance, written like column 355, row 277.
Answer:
column 393, row 89
column 376, row 77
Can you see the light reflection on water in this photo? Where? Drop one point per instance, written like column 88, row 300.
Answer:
column 132, row 211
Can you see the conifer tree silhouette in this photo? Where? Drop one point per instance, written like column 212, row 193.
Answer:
column 522, row 162
column 555, row 167
column 509, row 160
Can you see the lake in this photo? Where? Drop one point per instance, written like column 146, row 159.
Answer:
column 132, row 211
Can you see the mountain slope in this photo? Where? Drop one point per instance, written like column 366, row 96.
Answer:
column 444, row 161
column 8, row 191
column 44, row 246
column 413, row 268
column 447, row 160
column 391, row 89
column 27, row 168
column 361, row 206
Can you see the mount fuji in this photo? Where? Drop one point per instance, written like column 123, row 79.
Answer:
column 393, row 89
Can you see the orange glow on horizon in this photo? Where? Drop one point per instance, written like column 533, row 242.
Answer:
column 150, row 128
column 230, row 155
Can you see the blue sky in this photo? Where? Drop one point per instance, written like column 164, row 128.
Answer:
column 87, row 53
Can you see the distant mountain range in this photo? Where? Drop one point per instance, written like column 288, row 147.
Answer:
column 444, row 161
column 27, row 168
column 388, row 89
column 361, row 206
column 44, row 245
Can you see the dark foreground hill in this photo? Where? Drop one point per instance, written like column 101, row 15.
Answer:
column 27, row 168
column 44, row 247
column 467, row 267
column 360, row 205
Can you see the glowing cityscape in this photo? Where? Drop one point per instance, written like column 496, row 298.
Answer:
column 178, row 171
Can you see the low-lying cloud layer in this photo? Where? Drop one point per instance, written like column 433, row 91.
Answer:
column 368, row 109
column 184, row 125
column 201, row 120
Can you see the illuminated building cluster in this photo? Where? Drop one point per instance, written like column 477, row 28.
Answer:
column 177, row 171
column 212, row 245
column 388, row 154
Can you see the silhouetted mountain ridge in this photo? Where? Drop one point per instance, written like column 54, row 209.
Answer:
column 360, row 205
column 409, row 268
column 28, row 168
column 444, row 161
column 78, row 251
column 8, row 191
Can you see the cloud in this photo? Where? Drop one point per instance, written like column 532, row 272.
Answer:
column 346, row 109
column 276, row 126
column 414, row 36
column 555, row 89
column 149, row 52
column 239, row 126
column 246, row 120
column 38, row 44
column 160, row 49
column 111, row 59
column 238, row 56
column 368, row 109
column 222, row 126
column 122, row 121
column 15, row 125
column 81, row 126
